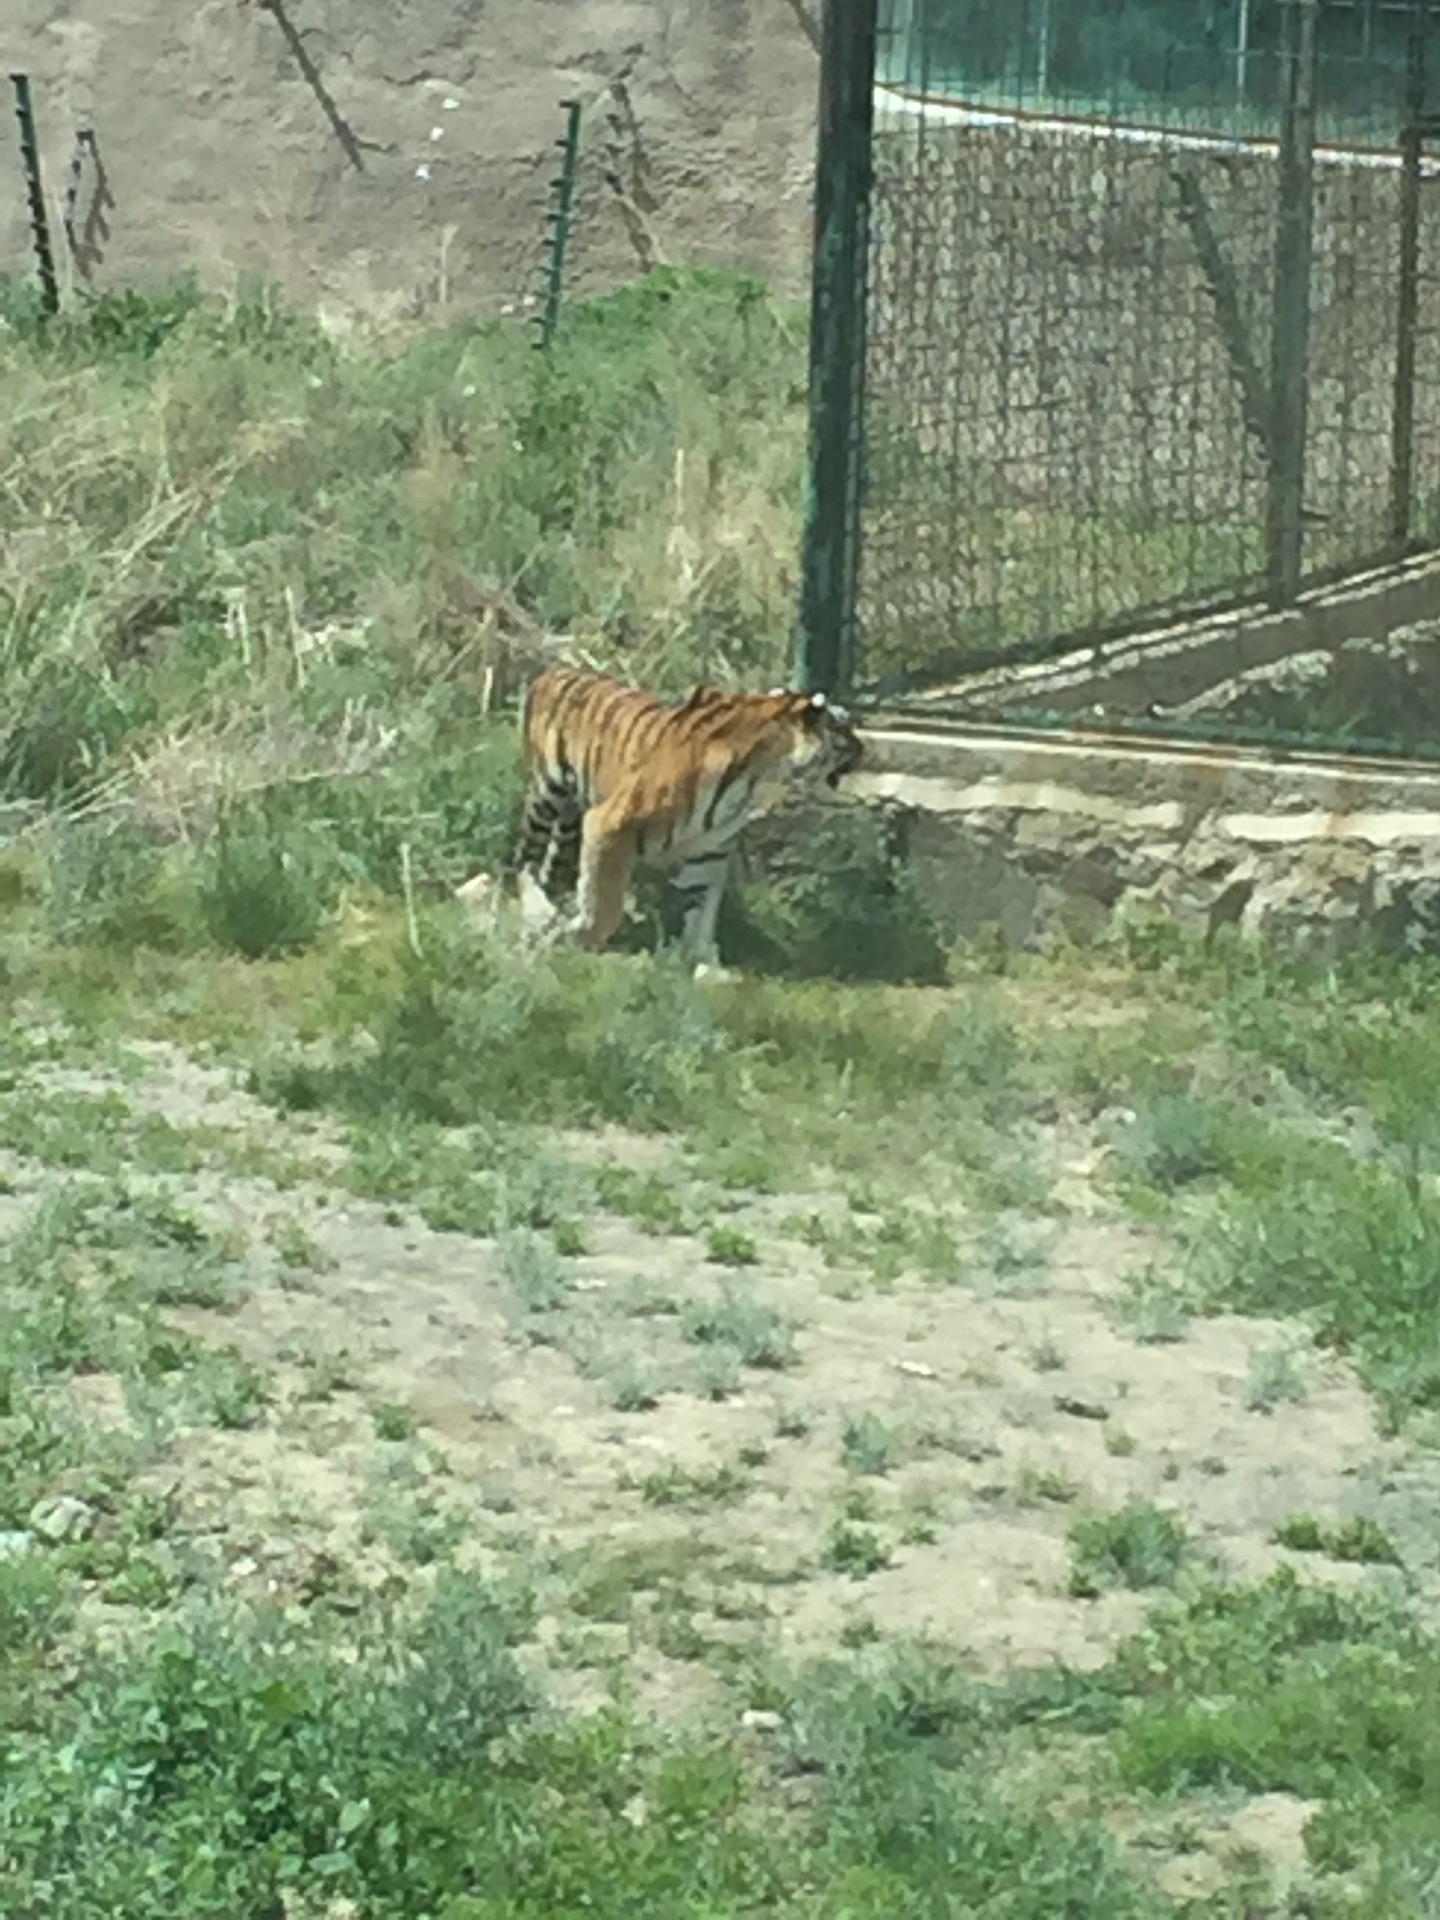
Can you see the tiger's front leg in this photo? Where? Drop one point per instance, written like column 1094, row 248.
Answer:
column 607, row 854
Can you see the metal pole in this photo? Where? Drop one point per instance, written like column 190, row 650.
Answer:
column 559, row 218
column 1242, row 52
column 1290, row 336
column 898, row 34
column 39, row 224
column 825, row 642
column 1407, row 293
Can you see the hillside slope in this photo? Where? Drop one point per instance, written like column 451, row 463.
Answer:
column 430, row 182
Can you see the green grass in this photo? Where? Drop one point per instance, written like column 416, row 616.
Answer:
column 1226, row 1691
column 1284, row 1688
column 264, row 594
column 683, row 1486
column 1357, row 1255
column 385, row 488
column 238, row 1759
column 477, row 1180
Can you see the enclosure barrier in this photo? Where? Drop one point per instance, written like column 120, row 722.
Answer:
column 1150, row 323
column 558, row 221
column 39, row 221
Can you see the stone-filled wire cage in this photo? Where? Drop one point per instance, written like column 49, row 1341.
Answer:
column 1153, row 316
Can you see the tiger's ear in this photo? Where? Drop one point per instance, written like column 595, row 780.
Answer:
column 818, row 701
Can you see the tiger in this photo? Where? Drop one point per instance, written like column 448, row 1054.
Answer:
column 616, row 775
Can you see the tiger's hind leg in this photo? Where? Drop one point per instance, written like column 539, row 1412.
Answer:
column 547, row 853
column 549, row 835
column 701, row 885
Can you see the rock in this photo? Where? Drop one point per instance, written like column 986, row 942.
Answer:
column 15, row 1542
column 1081, row 1409
column 60, row 1518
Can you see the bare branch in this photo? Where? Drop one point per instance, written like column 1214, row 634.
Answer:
column 809, row 26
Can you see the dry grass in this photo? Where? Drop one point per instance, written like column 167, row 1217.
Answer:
column 234, row 551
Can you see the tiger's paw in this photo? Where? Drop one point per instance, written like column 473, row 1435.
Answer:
column 540, row 918
column 479, row 896
column 710, row 973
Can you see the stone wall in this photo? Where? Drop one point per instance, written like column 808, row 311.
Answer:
column 1028, row 834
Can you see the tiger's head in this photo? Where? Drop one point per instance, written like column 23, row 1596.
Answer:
column 828, row 746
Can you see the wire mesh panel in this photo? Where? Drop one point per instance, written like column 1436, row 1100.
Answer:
column 1138, row 291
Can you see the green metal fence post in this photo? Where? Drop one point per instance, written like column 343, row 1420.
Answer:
column 1407, row 291
column 1290, row 336
column 559, row 218
column 39, row 224
column 825, row 641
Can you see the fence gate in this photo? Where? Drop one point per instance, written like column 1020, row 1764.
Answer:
column 1153, row 320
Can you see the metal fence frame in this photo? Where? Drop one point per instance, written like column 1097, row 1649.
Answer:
column 1274, row 385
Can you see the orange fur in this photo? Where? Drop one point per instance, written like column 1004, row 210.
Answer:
column 631, row 776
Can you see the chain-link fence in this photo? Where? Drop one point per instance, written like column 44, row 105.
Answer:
column 1152, row 319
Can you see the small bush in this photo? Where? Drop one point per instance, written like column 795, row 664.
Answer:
column 108, row 885
column 224, row 1389
column 981, row 1050
column 836, row 905
column 1177, row 1140
column 755, row 1333
column 1359, row 1538
column 1141, row 1545
column 66, row 719
column 645, row 1198
column 267, row 883
column 855, row 1549
column 394, row 1421
column 868, row 1445
column 730, row 1247
column 535, row 1271
column 681, row 1486
column 34, row 1606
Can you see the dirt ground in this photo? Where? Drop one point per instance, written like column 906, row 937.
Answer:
column 911, row 1475
column 1006, row 1402
column 424, row 183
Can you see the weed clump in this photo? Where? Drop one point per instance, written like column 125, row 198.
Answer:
column 1357, row 1256
column 1140, row 1545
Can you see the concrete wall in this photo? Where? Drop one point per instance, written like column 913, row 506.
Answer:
column 1186, row 663
column 429, row 187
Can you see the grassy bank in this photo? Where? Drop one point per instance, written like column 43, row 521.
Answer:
column 229, row 535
